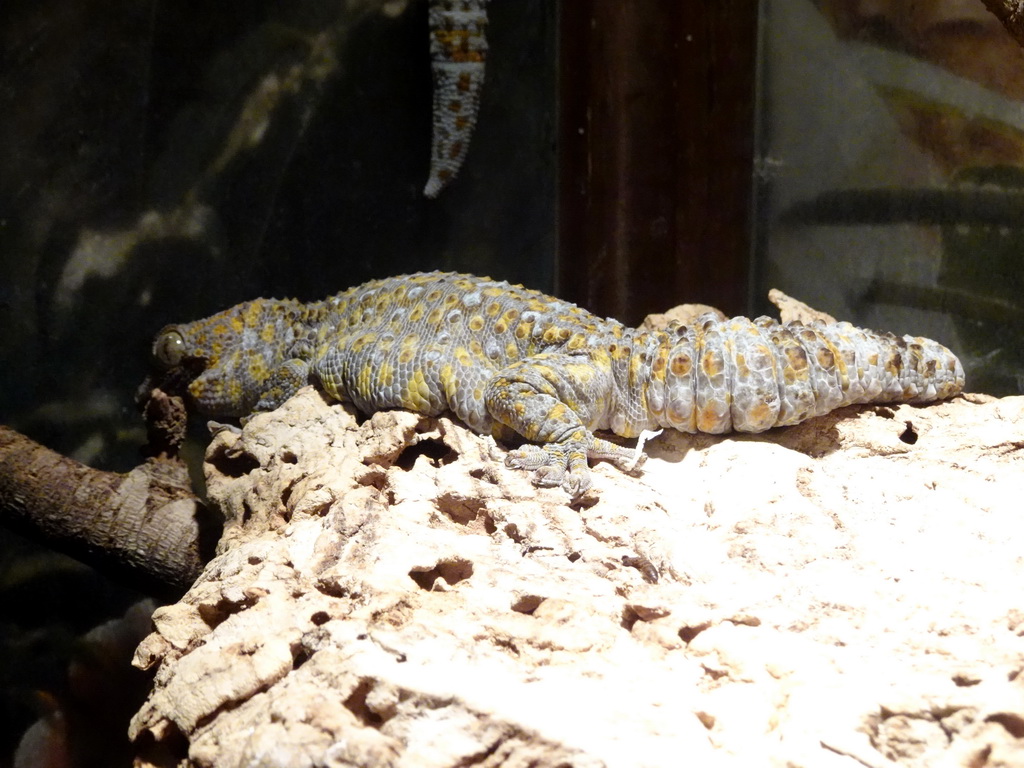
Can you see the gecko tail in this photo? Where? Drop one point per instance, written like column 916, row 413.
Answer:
column 458, row 52
column 743, row 375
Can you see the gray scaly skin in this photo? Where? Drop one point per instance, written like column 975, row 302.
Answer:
column 505, row 359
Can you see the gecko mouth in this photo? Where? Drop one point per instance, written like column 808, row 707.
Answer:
column 172, row 381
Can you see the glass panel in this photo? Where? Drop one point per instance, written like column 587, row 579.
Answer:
column 890, row 172
column 162, row 161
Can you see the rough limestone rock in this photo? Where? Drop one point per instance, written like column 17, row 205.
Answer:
column 846, row 592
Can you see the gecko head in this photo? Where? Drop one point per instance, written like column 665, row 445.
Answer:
column 208, row 363
column 174, row 364
column 221, row 364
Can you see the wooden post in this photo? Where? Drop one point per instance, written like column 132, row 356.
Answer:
column 656, row 145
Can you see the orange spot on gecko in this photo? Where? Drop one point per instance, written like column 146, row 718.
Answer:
column 712, row 363
column 797, row 358
column 681, row 365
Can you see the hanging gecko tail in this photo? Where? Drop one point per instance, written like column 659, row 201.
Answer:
column 458, row 52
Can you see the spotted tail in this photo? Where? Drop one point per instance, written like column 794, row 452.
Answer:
column 721, row 375
column 458, row 51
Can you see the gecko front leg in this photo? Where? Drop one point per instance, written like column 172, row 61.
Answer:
column 553, row 400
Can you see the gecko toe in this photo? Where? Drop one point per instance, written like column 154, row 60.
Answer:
column 529, row 457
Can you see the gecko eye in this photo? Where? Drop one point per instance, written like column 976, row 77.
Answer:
column 169, row 348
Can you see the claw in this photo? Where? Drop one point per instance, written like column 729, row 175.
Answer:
column 548, row 476
column 576, row 484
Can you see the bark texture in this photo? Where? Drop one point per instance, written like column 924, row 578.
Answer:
column 145, row 526
column 1011, row 13
column 843, row 592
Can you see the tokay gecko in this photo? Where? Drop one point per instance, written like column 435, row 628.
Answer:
column 510, row 361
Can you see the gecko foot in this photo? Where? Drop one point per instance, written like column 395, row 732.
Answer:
column 566, row 465
column 554, row 465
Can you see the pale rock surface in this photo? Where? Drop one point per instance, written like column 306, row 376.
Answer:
column 846, row 592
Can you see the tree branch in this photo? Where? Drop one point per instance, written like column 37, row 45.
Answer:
column 145, row 526
column 1011, row 14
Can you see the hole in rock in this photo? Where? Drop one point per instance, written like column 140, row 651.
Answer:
column 171, row 749
column 286, row 495
column 463, row 510
column 375, row 477
column 234, row 465
column 452, row 571
column 965, row 680
column 289, row 457
column 527, row 604
column 584, row 502
column 629, row 618
column 214, row 614
column 714, row 674
column 686, row 634
column 437, row 452
column 320, row 618
column 331, row 586
column 909, row 435
column 356, row 704
column 300, row 657
column 1011, row 721
column 706, row 719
